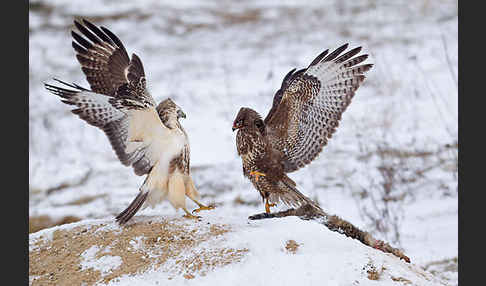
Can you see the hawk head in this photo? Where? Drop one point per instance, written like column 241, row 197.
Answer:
column 248, row 118
column 169, row 113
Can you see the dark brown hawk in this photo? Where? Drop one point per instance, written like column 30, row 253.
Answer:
column 147, row 137
column 305, row 113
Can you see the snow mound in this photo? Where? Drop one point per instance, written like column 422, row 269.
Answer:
column 215, row 250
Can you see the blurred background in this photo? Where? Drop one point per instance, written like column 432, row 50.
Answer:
column 390, row 169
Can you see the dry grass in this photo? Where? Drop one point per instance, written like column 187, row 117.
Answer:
column 445, row 268
column 450, row 264
column 395, row 181
column 373, row 273
column 37, row 223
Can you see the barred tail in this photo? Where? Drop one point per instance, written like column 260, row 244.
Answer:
column 292, row 197
column 132, row 209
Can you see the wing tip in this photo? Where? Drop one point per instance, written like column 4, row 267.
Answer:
column 77, row 23
column 86, row 22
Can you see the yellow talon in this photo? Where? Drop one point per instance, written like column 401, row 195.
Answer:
column 268, row 205
column 189, row 215
column 257, row 175
column 203, row 208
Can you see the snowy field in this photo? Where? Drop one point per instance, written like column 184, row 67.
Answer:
column 390, row 169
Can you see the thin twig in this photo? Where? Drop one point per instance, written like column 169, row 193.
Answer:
column 448, row 59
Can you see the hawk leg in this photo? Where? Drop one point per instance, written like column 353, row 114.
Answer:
column 189, row 215
column 257, row 175
column 267, row 213
column 201, row 207
column 268, row 205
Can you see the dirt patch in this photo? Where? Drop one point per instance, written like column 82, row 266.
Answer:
column 292, row 246
column 37, row 223
column 139, row 247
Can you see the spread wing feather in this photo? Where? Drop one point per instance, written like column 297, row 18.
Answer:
column 118, row 100
column 105, row 62
column 110, row 115
column 308, row 107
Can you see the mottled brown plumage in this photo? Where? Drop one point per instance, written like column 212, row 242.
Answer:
column 305, row 113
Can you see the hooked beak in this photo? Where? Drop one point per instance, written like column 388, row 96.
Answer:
column 236, row 125
column 180, row 114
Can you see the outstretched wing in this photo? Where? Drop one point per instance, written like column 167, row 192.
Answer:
column 105, row 62
column 309, row 105
column 132, row 129
column 118, row 102
column 278, row 95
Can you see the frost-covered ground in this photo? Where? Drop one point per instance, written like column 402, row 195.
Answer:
column 232, row 251
column 391, row 168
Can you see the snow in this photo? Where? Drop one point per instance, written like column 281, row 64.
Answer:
column 212, row 57
column 136, row 243
column 322, row 255
column 105, row 263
